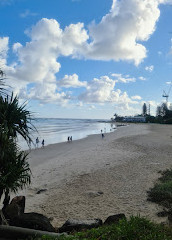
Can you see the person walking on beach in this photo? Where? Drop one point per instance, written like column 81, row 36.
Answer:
column 71, row 138
column 37, row 142
column 68, row 139
column 102, row 134
column 43, row 143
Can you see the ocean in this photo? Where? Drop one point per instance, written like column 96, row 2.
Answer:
column 56, row 130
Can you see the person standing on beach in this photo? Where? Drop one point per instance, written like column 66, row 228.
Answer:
column 43, row 143
column 68, row 139
column 37, row 142
column 102, row 134
column 71, row 138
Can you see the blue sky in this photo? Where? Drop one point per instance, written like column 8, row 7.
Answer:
column 87, row 58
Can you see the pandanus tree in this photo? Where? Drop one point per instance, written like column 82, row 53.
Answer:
column 15, row 120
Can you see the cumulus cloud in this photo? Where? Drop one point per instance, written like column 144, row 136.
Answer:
column 119, row 34
column 45, row 93
column 149, row 68
column 102, row 91
column 38, row 59
column 123, row 79
column 136, row 97
column 3, row 51
column 71, row 81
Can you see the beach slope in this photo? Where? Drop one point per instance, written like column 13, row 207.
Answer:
column 95, row 177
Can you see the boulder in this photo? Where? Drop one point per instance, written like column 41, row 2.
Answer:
column 20, row 201
column 15, row 208
column 33, row 221
column 11, row 211
column 77, row 225
column 114, row 218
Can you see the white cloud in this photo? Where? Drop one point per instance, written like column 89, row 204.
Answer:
column 149, row 68
column 3, row 51
column 71, row 81
column 136, row 97
column 102, row 91
column 16, row 47
column 28, row 13
column 169, row 83
column 123, row 79
column 119, row 34
column 45, row 93
column 142, row 78
column 37, row 60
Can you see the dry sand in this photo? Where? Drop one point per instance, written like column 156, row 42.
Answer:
column 122, row 166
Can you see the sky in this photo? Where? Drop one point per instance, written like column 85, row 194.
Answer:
column 87, row 58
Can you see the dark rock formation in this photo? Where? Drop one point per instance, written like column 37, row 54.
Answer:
column 20, row 201
column 114, row 218
column 15, row 208
column 33, row 221
column 11, row 211
column 77, row 225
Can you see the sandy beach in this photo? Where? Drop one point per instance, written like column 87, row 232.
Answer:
column 95, row 177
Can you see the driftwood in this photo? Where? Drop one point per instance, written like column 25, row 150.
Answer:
column 11, row 232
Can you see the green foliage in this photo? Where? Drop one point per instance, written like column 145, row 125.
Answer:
column 161, row 193
column 166, row 175
column 135, row 228
column 14, row 119
column 14, row 169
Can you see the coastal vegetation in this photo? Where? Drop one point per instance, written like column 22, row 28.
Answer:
column 161, row 193
column 132, row 229
column 14, row 119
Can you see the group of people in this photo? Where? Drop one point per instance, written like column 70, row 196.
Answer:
column 69, row 138
column 37, row 142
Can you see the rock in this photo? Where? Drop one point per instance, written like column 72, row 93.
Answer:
column 41, row 190
column 114, row 218
column 20, row 201
column 77, row 225
column 33, row 221
column 94, row 193
column 11, row 211
column 15, row 208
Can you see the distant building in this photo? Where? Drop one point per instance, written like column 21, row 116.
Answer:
column 135, row 119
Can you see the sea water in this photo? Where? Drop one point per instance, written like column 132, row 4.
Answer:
column 56, row 130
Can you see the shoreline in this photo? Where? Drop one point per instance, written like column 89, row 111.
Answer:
column 123, row 166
